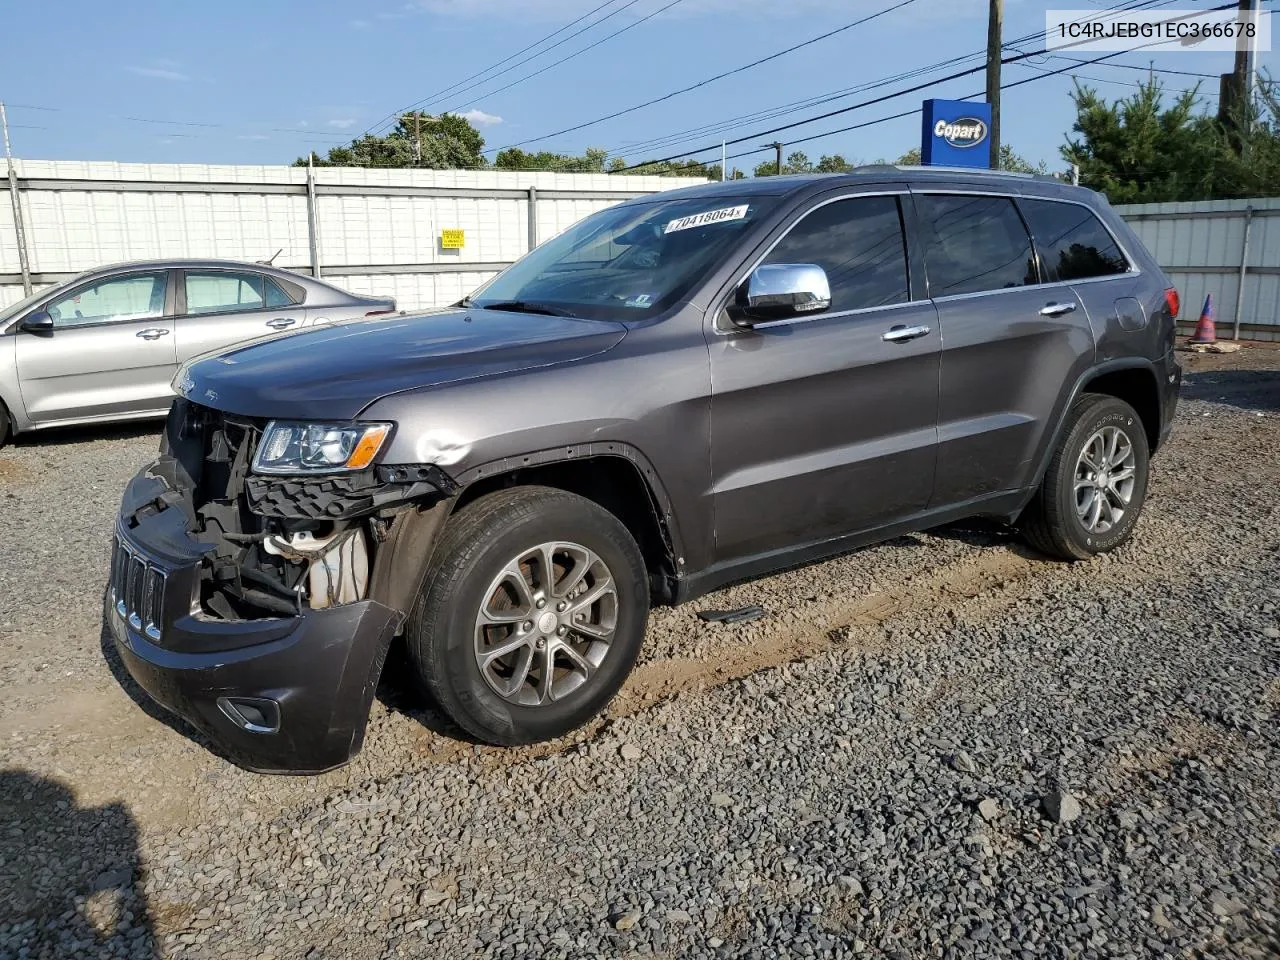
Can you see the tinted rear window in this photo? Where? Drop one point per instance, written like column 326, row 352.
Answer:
column 978, row 243
column 1073, row 243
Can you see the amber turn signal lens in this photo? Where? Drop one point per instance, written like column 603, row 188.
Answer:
column 368, row 446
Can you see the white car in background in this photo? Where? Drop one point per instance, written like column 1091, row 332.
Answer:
column 105, row 345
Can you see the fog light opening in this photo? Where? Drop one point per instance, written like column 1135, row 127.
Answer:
column 254, row 714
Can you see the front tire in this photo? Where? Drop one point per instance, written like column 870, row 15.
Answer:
column 1096, row 484
column 532, row 615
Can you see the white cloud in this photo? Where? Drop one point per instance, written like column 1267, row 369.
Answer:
column 482, row 119
column 360, row 24
column 342, row 123
column 159, row 73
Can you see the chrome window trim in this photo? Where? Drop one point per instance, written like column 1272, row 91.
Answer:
column 733, row 329
column 1035, row 286
column 1133, row 271
column 857, row 311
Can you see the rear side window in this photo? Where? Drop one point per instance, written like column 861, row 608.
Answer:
column 1073, row 243
column 978, row 243
column 223, row 291
column 859, row 243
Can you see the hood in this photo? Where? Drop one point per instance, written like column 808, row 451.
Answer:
column 333, row 372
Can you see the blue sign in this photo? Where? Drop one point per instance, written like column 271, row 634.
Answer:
column 956, row 133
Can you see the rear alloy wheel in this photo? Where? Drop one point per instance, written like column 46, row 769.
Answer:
column 532, row 615
column 1095, row 485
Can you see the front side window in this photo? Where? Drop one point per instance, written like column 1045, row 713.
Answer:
column 626, row 262
column 137, row 296
column 859, row 243
column 222, row 291
column 1073, row 243
column 978, row 243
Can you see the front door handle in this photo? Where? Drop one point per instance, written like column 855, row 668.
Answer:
column 152, row 333
column 902, row 333
column 279, row 323
column 1057, row 309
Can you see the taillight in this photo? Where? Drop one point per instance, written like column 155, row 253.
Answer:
column 1175, row 304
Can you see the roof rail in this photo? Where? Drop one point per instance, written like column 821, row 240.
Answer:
column 980, row 171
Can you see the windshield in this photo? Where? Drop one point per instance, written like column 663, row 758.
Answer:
column 625, row 262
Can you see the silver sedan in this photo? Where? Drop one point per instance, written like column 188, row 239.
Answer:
column 105, row 345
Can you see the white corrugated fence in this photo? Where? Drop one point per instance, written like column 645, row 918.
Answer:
column 376, row 231
column 1202, row 246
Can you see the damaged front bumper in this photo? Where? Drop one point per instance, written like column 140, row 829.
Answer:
column 282, row 688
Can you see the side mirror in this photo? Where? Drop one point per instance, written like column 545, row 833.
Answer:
column 779, row 291
column 38, row 322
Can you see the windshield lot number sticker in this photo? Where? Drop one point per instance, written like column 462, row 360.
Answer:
column 704, row 219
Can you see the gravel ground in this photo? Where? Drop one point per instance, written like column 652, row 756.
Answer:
column 940, row 747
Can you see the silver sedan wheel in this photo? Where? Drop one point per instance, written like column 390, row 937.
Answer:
column 1105, row 478
column 546, row 623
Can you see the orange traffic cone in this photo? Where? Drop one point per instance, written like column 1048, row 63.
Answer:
column 1205, row 332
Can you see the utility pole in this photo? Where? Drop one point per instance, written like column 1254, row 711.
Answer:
column 1245, row 72
column 724, row 163
column 18, row 226
column 995, row 45
column 778, row 147
column 417, row 139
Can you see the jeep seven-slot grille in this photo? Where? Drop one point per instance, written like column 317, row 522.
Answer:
column 137, row 590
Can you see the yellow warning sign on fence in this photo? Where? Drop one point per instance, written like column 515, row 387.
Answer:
column 453, row 239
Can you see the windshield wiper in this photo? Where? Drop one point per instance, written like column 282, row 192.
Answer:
column 523, row 306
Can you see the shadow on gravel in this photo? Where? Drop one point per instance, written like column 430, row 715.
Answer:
column 69, row 875
column 144, row 703
column 399, row 692
column 977, row 532
column 1247, row 389
column 64, row 436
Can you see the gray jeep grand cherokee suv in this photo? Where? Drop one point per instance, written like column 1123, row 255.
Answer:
column 680, row 391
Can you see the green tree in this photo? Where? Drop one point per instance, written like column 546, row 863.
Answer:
column 1140, row 150
column 1137, row 150
column 513, row 158
column 444, row 142
column 797, row 162
column 833, row 164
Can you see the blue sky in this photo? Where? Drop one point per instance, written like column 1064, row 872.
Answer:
column 265, row 81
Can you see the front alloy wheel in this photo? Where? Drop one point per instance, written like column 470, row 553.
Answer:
column 546, row 623
column 532, row 614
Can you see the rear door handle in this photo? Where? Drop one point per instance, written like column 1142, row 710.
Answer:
column 152, row 333
column 1057, row 309
column 902, row 333
column 279, row 323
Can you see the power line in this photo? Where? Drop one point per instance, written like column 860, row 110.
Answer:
column 703, row 83
column 708, row 129
column 434, row 98
column 576, row 53
column 890, row 96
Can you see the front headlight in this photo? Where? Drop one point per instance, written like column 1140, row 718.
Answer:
column 318, row 447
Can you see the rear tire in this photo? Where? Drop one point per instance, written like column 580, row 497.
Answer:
column 553, row 579
column 6, row 428
column 1094, row 488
